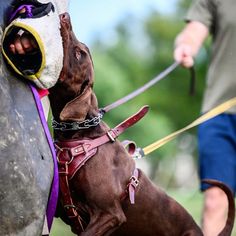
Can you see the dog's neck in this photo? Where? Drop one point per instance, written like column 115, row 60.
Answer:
column 90, row 133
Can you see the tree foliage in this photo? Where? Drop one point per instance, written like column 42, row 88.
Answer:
column 137, row 52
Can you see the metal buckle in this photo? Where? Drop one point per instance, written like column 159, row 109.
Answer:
column 138, row 154
column 60, row 150
column 134, row 181
column 64, row 168
column 109, row 134
column 70, row 206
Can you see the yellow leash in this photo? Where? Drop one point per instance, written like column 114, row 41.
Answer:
column 212, row 113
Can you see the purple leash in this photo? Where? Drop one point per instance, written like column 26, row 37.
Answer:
column 52, row 202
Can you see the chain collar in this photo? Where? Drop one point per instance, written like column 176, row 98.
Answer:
column 86, row 124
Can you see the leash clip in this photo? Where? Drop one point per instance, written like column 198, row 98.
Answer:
column 138, row 153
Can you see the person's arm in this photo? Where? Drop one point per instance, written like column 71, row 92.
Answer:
column 188, row 43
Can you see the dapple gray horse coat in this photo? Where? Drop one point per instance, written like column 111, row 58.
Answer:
column 26, row 164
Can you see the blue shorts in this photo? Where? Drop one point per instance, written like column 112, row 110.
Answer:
column 217, row 150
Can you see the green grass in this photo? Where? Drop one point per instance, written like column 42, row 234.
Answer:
column 59, row 228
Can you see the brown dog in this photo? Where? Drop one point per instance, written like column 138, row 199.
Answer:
column 98, row 187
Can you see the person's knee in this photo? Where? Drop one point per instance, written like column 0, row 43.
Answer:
column 215, row 200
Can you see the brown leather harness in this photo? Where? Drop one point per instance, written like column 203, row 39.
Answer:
column 73, row 154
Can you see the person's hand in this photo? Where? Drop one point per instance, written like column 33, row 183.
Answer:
column 23, row 43
column 183, row 54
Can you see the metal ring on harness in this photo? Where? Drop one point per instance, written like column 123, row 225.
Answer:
column 130, row 146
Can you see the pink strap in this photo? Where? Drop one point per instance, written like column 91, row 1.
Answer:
column 133, row 185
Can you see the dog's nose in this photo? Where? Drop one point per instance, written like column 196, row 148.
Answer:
column 65, row 17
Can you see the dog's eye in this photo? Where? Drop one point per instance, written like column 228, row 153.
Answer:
column 77, row 55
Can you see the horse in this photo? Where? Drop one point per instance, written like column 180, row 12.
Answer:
column 26, row 162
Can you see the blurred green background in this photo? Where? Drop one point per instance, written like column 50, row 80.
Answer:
column 138, row 50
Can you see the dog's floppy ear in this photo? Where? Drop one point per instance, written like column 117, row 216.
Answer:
column 77, row 109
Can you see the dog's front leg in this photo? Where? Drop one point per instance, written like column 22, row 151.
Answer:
column 103, row 223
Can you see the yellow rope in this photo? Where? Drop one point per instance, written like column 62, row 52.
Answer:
column 212, row 113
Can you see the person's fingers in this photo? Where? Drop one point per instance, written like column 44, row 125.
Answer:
column 178, row 54
column 33, row 43
column 26, row 44
column 23, row 43
column 187, row 62
column 12, row 48
column 18, row 46
column 183, row 55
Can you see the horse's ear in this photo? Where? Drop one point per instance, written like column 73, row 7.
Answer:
column 77, row 109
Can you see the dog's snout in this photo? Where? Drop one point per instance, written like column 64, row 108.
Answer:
column 65, row 17
column 65, row 21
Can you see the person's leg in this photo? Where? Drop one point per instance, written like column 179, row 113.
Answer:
column 217, row 159
column 214, row 211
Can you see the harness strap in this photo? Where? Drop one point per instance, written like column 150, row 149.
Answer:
column 72, row 155
column 71, row 151
column 70, row 209
column 133, row 184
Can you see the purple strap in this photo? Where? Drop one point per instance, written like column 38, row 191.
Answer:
column 52, row 203
column 28, row 9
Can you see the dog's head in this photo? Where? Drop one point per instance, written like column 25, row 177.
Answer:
column 77, row 63
column 75, row 83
